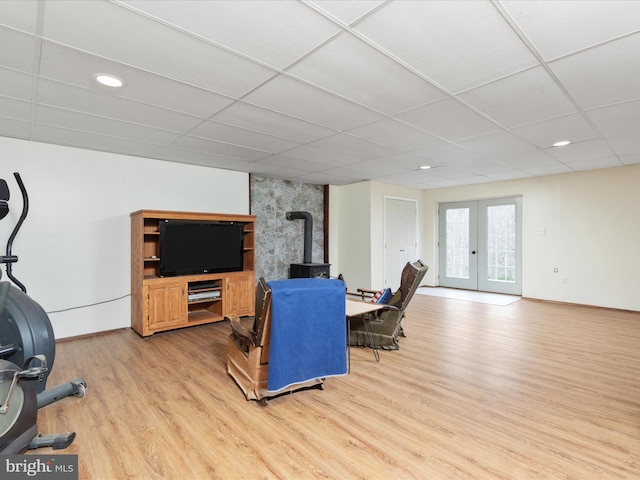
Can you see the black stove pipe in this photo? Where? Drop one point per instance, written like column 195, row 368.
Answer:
column 308, row 231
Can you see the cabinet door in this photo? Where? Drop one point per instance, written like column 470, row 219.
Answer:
column 240, row 295
column 167, row 305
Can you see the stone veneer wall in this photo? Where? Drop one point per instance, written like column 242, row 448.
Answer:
column 278, row 241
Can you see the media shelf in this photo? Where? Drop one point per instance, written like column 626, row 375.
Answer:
column 166, row 303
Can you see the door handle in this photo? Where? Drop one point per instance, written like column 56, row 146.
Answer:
column 473, row 252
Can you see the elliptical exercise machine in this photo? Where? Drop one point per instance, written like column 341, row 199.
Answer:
column 27, row 339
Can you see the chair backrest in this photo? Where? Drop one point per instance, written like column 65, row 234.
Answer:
column 261, row 325
column 412, row 275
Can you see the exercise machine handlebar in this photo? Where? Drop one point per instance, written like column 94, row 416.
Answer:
column 10, row 259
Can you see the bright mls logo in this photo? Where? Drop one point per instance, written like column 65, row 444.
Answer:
column 39, row 467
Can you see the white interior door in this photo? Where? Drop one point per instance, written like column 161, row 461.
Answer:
column 480, row 245
column 401, row 244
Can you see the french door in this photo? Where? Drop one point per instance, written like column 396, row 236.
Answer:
column 480, row 245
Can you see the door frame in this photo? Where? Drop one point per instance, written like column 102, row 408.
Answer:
column 386, row 267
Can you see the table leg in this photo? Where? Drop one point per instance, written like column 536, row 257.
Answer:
column 366, row 321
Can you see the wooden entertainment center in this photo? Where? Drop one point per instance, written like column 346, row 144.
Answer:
column 166, row 303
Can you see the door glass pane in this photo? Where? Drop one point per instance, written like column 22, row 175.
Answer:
column 501, row 243
column 457, row 242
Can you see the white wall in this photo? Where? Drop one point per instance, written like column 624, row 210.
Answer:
column 591, row 221
column 592, row 231
column 74, row 246
column 356, row 230
column 350, row 233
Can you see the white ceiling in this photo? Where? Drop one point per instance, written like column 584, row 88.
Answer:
column 331, row 92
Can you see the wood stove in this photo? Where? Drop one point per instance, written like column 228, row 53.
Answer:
column 307, row 269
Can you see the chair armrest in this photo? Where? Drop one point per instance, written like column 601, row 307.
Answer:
column 241, row 332
column 354, row 294
column 363, row 293
column 375, row 317
column 366, row 291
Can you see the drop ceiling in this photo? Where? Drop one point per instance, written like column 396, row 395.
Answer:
column 331, row 92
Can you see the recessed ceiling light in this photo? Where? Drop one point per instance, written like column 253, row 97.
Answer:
column 425, row 167
column 562, row 143
column 109, row 80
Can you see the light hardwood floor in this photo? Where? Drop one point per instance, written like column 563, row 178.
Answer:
column 528, row 391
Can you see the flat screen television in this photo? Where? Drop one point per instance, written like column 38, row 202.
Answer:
column 196, row 247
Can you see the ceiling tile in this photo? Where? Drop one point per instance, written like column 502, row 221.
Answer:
column 354, row 146
column 19, row 14
column 379, row 167
column 71, row 120
column 587, row 150
column 11, row 127
column 292, row 97
column 602, row 75
column 484, row 167
column 273, row 171
column 355, row 70
column 442, row 183
column 218, row 148
column 459, row 45
column 449, row 119
column 407, row 161
column 527, row 160
column 626, row 144
column 234, row 83
column 275, row 32
column 95, row 103
column 199, row 158
column 109, row 30
column 561, row 27
column 594, row 163
column 522, row 98
column 449, row 155
column 396, row 135
column 543, row 134
column 22, row 55
column 78, row 68
column 356, row 172
column 265, row 121
column 15, row 109
column 241, row 136
column 321, row 155
column 446, row 172
column 497, row 143
column 554, row 169
column 93, row 141
column 322, row 178
column 346, row 12
column 15, row 84
column 630, row 159
column 297, row 164
column 617, row 120
column 514, row 174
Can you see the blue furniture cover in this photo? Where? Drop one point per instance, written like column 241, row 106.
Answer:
column 308, row 331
